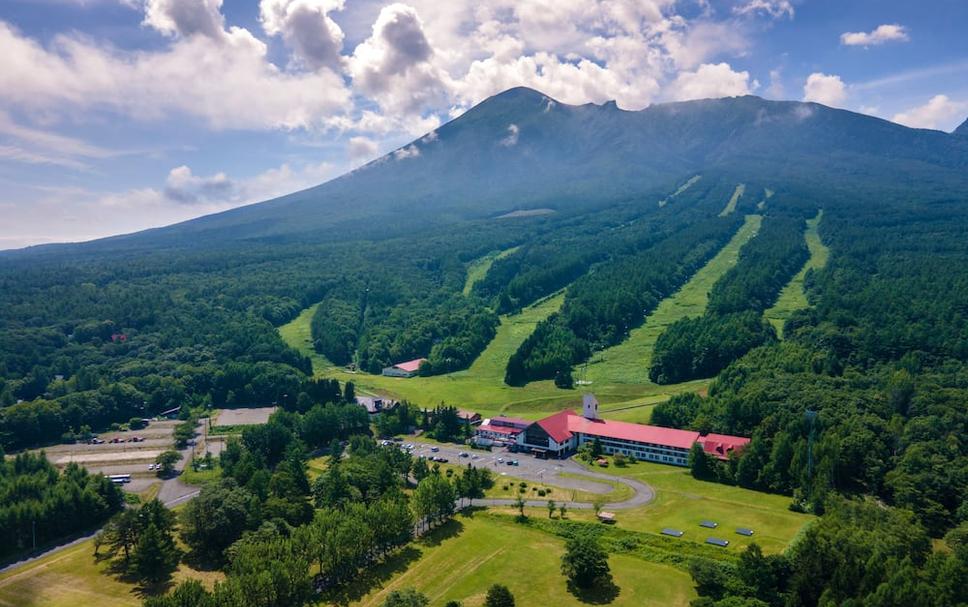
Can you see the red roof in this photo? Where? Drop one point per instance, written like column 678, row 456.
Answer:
column 410, row 366
column 720, row 445
column 557, row 425
column 669, row 437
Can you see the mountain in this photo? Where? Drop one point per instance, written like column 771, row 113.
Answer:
column 962, row 129
column 523, row 150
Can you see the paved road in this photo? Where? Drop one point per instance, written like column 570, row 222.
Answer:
column 546, row 471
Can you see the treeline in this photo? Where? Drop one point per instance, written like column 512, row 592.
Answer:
column 866, row 395
column 859, row 553
column 691, row 348
column 601, row 308
column 39, row 504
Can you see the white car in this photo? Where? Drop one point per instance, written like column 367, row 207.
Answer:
column 151, row 467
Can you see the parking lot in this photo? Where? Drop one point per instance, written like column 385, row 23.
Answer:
column 529, row 468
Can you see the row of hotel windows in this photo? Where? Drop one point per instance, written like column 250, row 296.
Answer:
column 669, row 455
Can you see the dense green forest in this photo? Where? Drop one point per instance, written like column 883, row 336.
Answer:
column 732, row 325
column 39, row 504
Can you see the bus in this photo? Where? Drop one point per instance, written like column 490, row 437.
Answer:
column 119, row 479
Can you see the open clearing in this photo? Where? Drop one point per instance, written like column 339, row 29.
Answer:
column 628, row 362
column 244, row 417
column 461, row 560
column 793, row 297
column 478, row 268
column 731, row 205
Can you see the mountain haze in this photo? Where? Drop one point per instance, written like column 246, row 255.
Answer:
column 522, row 149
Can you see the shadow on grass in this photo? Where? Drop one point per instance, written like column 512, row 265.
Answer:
column 377, row 576
column 121, row 571
column 602, row 593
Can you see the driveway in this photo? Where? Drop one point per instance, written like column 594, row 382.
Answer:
column 537, row 470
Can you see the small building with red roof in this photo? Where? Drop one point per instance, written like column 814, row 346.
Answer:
column 500, row 430
column 409, row 368
column 561, row 434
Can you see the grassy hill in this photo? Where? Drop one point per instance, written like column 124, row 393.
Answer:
column 793, row 297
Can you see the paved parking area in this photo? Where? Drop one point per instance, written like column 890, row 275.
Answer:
column 242, row 417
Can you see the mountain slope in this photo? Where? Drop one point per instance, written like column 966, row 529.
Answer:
column 521, row 149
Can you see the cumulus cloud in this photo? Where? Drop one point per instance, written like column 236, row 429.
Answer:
column 771, row 8
column 305, row 26
column 410, row 151
column 939, row 112
column 185, row 17
column 393, row 65
column 361, row 148
column 512, row 137
column 710, row 80
column 184, row 187
column 826, row 89
column 880, row 35
column 226, row 81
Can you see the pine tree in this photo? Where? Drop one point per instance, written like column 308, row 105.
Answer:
column 499, row 596
column 155, row 557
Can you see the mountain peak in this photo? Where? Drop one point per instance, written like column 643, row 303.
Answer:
column 961, row 130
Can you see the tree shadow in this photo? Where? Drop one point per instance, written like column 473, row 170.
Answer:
column 448, row 530
column 373, row 578
column 602, row 593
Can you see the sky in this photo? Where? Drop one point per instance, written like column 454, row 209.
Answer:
column 120, row 115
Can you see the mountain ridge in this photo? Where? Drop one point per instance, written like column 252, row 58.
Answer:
column 523, row 149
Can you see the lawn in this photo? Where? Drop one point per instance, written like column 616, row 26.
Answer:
column 731, row 205
column 682, row 501
column 792, row 297
column 297, row 333
column 463, row 559
column 73, row 577
column 628, row 362
column 478, row 268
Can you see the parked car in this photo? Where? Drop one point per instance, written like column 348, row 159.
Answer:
column 435, row 449
column 514, row 462
column 500, row 460
column 462, row 454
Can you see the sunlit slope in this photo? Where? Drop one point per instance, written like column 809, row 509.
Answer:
column 793, row 297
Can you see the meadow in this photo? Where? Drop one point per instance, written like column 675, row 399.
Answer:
column 793, row 297
column 461, row 560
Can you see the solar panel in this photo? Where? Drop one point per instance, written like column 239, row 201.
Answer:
column 744, row 531
column 715, row 541
column 672, row 532
column 708, row 524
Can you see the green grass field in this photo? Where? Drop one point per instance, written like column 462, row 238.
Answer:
column 72, row 577
column 478, row 268
column 792, row 297
column 682, row 501
column 297, row 333
column 628, row 362
column 731, row 205
column 464, row 558
column 618, row 375
column 682, row 188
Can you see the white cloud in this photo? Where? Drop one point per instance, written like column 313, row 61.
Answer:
column 710, row 80
column 34, row 146
column 512, row 137
column 880, row 35
column 826, row 89
column 185, row 17
column 939, row 112
column 362, row 148
column 772, row 8
column 306, row 27
column 410, row 151
column 227, row 81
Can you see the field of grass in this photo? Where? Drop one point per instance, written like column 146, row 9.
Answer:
column 628, row 362
column 618, row 375
column 792, row 297
column 682, row 188
column 463, row 559
column 297, row 333
column 682, row 501
column 72, row 577
column 731, row 205
column 478, row 268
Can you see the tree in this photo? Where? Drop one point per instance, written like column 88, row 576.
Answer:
column 167, row 460
column 189, row 593
column 519, row 503
column 215, row 519
column 155, row 557
column 123, row 531
column 597, row 450
column 701, row 464
column 564, row 379
column 551, row 508
column 499, row 596
column 562, row 510
column 585, row 563
column 598, row 504
column 407, row 597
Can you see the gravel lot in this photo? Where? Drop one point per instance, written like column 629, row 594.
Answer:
column 241, row 417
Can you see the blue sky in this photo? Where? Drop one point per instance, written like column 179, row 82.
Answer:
column 119, row 115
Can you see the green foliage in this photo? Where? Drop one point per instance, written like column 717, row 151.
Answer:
column 498, row 596
column 167, row 460
column 38, row 503
column 155, row 557
column 585, row 563
column 407, row 597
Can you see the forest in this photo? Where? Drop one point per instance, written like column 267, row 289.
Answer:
column 733, row 325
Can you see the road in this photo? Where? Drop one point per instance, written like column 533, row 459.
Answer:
column 539, row 470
